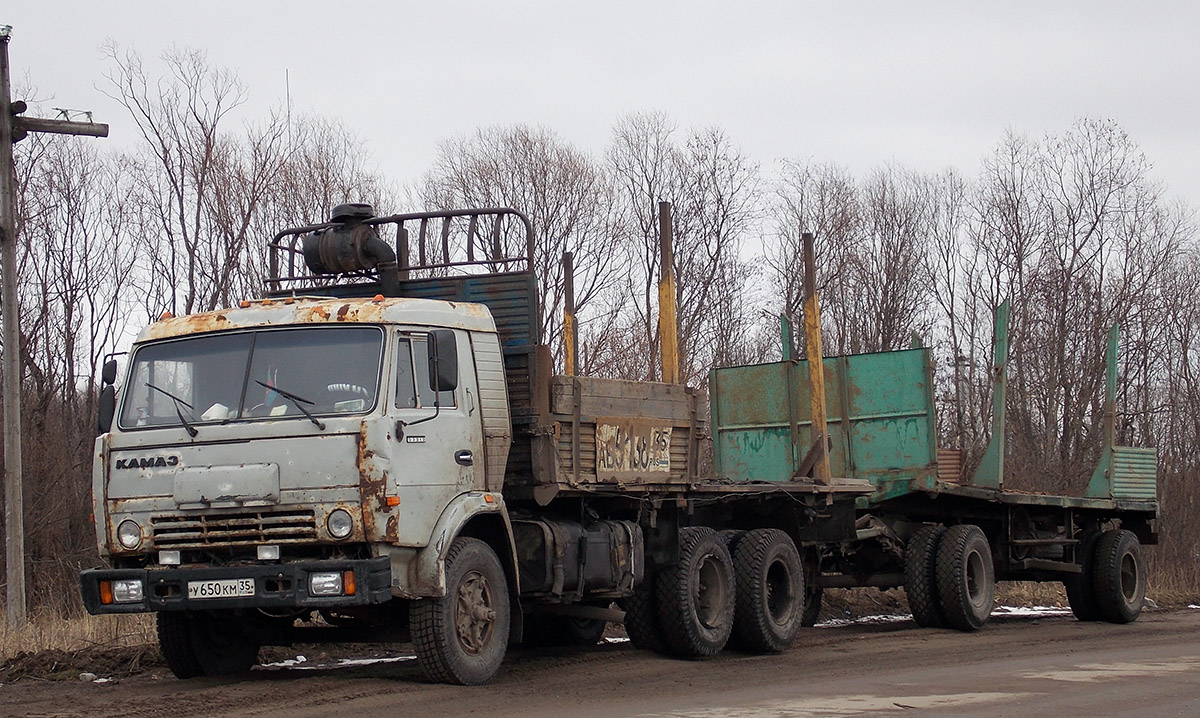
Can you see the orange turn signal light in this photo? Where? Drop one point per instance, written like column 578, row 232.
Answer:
column 348, row 583
column 393, row 501
column 489, row 499
column 378, row 298
column 106, row 592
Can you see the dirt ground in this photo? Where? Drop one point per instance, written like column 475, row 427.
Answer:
column 1033, row 666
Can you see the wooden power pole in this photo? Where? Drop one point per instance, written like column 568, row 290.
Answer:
column 13, row 129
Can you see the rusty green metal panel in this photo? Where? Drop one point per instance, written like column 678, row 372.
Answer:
column 879, row 411
column 990, row 471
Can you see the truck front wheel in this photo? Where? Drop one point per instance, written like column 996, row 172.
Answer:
column 462, row 637
column 204, row 644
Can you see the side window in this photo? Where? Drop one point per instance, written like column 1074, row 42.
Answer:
column 406, row 395
column 412, row 375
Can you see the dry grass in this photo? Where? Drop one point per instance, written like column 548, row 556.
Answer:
column 47, row 631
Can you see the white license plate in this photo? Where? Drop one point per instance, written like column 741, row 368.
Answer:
column 227, row 588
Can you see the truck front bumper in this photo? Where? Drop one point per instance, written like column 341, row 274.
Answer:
column 277, row 586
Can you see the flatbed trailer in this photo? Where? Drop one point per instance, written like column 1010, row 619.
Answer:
column 879, row 424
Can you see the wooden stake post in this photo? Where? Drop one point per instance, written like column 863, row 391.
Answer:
column 13, row 129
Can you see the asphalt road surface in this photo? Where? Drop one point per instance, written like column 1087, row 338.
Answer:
column 1050, row 666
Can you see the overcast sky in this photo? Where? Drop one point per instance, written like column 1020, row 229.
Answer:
column 924, row 84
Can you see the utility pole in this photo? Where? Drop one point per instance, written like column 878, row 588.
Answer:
column 14, row 129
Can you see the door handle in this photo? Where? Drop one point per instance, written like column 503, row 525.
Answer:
column 464, row 457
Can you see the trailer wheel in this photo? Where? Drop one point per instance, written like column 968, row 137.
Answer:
column 1120, row 575
column 1081, row 587
column 920, row 576
column 641, row 619
column 770, row 595
column 696, row 596
column 966, row 582
column 462, row 637
column 203, row 644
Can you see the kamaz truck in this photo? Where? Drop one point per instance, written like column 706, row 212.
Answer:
column 378, row 450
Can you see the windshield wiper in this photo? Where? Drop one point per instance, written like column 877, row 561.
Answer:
column 191, row 430
column 298, row 401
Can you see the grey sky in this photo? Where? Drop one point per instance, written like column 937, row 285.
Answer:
column 923, row 84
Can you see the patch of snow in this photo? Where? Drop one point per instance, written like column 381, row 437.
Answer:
column 617, row 639
column 1031, row 611
column 864, row 620
column 301, row 663
column 1024, row 611
column 1194, row 606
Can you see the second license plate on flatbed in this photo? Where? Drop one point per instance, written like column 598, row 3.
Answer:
column 225, row 588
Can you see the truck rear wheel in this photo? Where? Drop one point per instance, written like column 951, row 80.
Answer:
column 462, row 637
column 204, row 644
column 770, row 591
column 1120, row 575
column 696, row 596
column 1081, row 587
column 920, row 576
column 966, row 582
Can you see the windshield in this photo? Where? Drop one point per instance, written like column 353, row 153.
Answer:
column 277, row 373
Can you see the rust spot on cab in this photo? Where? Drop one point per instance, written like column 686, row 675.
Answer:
column 342, row 312
column 372, row 486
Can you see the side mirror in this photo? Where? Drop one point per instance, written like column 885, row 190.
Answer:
column 108, row 375
column 107, row 406
column 443, row 360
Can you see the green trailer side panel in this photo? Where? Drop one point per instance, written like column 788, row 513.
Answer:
column 887, row 397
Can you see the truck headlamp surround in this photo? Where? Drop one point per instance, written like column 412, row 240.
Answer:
column 340, row 523
column 129, row 534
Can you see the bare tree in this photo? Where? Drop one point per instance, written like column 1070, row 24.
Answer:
column 565, row 193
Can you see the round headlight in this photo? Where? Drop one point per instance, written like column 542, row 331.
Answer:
column 129, row 534
column 339, row 523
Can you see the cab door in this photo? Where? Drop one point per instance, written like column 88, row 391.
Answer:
column 439, row 447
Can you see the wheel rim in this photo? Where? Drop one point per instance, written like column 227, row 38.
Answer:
column 475, row 614
column 1129, row 577
column 781, row 594
column 712, row 591
column 976, row 583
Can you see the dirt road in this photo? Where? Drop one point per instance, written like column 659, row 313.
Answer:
column 1015, row 666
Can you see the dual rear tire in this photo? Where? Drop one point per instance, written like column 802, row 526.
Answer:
column 1111, row 584
column 949, row 577
column 741, row 587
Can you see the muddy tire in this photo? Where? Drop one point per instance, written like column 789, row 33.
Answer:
column 696, row 596
column 462, row 638
column 1120, row 577
column 203, row 644
column 920, row 576
column 770, row 591
column 1081, row 587
column 966, row 581
column 641, row 619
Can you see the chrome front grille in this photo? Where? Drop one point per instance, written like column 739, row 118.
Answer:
column 240, row 528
